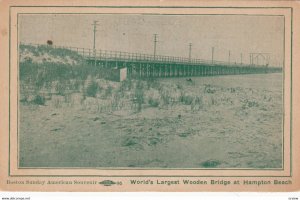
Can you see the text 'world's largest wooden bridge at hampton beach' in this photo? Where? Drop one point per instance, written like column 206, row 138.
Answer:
column 140, row 65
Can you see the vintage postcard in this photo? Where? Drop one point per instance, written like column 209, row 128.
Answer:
column 149, row 96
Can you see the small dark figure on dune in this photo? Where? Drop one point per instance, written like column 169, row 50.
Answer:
column 49, row 42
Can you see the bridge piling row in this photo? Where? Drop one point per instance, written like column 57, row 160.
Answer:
column 165, row 70
column 177, row 70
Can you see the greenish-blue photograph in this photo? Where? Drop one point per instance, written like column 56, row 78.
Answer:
column 150, row 91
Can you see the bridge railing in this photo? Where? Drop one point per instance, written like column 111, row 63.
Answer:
column 128, row 56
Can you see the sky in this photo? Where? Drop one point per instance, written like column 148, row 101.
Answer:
column 239, row 34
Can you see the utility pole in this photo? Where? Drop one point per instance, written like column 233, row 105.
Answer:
column 190, row 52
column 95, row 30
column 268, row 60
column 155, row 41
column 212, row 55
column 229, row 56
column 94, row 43
column 241, row 58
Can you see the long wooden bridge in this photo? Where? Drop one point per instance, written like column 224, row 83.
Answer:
column 140, row 65
column 145, row 65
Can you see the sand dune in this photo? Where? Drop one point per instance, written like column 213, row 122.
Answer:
column 237, row 125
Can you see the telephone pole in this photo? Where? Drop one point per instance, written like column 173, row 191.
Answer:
column 155, row 41
column 241, row 58
column 95, row 30
column 94, row 44
column 212, row 55
column 190, row 51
